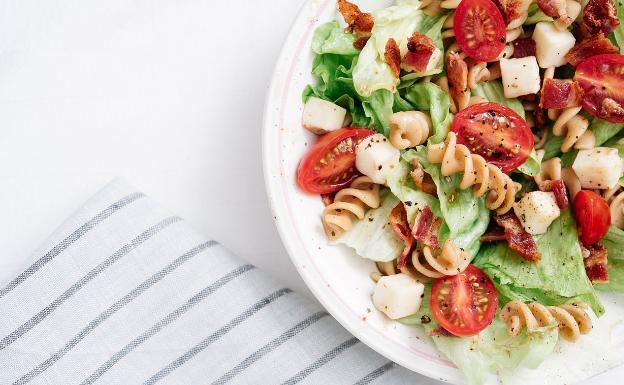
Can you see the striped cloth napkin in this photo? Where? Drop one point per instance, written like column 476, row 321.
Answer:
column 124, row 292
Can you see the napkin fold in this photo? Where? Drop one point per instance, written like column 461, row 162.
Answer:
column 124, row 292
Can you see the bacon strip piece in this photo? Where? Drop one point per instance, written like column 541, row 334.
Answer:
column 599, row 16
column 393, row 56
column 523, row 47
column 328, row 199
column 457, row 72
column 557, row 10
column 560, row 93
column 517, row 237
column 361, row 23
column 426, row 228
column 419, row 51
column 422, row 180
column 440, row 331
column 513, row 10
column 595, row 261
column 558, row 188
column 398, row 221
column 588, row 47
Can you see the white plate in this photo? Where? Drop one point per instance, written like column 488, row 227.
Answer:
column 338, row 278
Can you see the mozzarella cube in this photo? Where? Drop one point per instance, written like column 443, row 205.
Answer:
column 321, row 116
column 398, row 295
column 374, row 156
column 598, row 168
column 551, row 44
column 536, row 211
column 520, row 76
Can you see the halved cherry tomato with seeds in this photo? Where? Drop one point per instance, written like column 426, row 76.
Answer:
column 495, row 132
column 330, row 164
column 464, row 304
column 602, row 79
column 479, row 29
column 592, row 215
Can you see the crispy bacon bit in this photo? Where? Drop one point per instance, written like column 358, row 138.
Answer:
column 610, row 107
column 599, row 16
column 493, row 236
column 358, row 22
column 524, row 47
column 426, row 228
column 590, row 46
column 361, row 42
column 440, row 331
column 328, row 199
column 393, row 56
column 398, row 221
column 539, row 115
column 457, row 72
column 557, row 10
column 517, row 237
column 560, row 93
column 558, row 188
column 595, row 261
column 422, row 180
column 419, row 51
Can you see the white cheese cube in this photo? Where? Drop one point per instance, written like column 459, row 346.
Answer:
column 374, row 156
column 598, row 168
column 398, row 295
column 536, row 211
column 551, row 44
column 321, row 116
column 520, row 76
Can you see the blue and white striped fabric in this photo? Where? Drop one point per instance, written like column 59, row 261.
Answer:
column 126, row 293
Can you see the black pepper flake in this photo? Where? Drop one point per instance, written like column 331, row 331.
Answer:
column 425, row 319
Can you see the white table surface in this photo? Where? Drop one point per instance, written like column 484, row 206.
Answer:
column 166, row 93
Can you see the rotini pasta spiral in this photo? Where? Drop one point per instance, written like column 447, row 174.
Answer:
column 459, row 102
column 352, row 201
column 615, row 198
column 572, row 320
column 479, row 72
column 575, row 127
column 550, row 170
column 479, row 174
column 451, row 260
column 409, row 129
column 571, row 181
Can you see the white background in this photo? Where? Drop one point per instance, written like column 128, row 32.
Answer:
column 167, row 94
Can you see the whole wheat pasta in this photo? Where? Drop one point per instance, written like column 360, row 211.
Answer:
column 575, row 127
column 615, row 198
column 451, row 260
column 550, row 170
column 349, row 202
column 571, row 319
column 409, row 129
column 478, row 173
column 571, row 181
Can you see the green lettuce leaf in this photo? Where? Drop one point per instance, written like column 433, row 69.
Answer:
column 399, row 22
column 493, row 91
column 465, row 216
column 378, row 108
column 429, row 97
column 533, row 164
column 614, row 242
column 331, row 38
column 559, row 276
column 372, row 237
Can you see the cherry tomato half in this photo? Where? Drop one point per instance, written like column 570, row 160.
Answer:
column 495, row 132
column 592, row 215
column 330, row 164
column 479, row 29
column 464, row 304
column 602, row 79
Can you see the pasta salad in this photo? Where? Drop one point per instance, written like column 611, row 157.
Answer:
column 474, row 150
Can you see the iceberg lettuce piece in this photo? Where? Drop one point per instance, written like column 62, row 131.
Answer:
column 465, row 216
column 614, row 242
column 399, row 22
column 372, row 237
column 494, row 92
column 331, row 38
column 558, row 277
